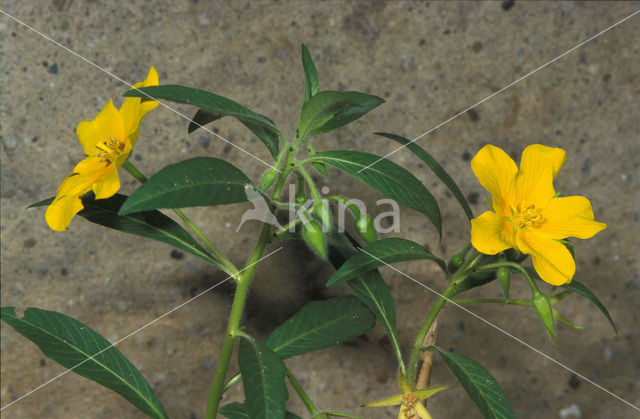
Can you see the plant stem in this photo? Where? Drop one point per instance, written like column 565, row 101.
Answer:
column 454, row 281
column 301, row 393
column 129, row 167
column 431, row 317
column 233, row 326
column 239, row 299
column 492, row 300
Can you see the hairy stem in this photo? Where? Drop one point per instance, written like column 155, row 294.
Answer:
column 239, row 299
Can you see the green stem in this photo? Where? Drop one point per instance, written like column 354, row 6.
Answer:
column 301, row 393
column 431, row 317
column 233, row 326
column 455, row 280
column 515, row 302
column 514, row 266
column 312, row 185
column 129, row 167
column 239, row 299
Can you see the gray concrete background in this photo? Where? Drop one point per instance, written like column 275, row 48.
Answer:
column 428, row 61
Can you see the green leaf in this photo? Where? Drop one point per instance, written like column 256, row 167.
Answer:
column 234, row 411
column 237, row 411
column 74, row 345
column 360, row 105
column 321, row 324
column 193, row 182
column 329, row 110
column 482, row 388
column 217, row 107
column 263, row 374
column 581, row 289
column 435, row 167
column 386, row 177
column 311, row 85
column 150, row 224
column 381, row 253
column 370, row 288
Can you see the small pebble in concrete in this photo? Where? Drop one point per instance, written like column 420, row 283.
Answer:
column 9, row 142
column 507, row 4
column 574, row 381
column 53, row 69
column 477, row 46
column 572, row 411
column 586, row 165
column 176, row 254
column 466, row 156
column 204, row 140
column 262, row 59
column 137, row 157
column 473, row 198
column 473, row 115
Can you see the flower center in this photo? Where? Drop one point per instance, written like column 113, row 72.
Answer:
column 110, row 150
column 525, row 215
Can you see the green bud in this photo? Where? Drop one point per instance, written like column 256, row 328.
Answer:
column 455, row 262
column 458, row 259
column 268, row 179
column 301, row 196
column 323, row 212
column 542, row 305
column 504, row 276
column 366, row 229
column 312, row 234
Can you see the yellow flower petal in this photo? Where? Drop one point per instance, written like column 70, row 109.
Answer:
column 107, row 186
column 67, row 202
column 133, row 109
column 61, row 211
column 387, row 401
column 551, row 259
column 569, row 216
column 496, row 172
column 539, row 165
column 490, row 233
column 106, row 125
column 421, row 411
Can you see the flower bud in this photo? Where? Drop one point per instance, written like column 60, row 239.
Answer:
column 542, row 305
column 504, row 276
column 323, row 212
column 312, row 234
column 366, row 229
column 268, row 179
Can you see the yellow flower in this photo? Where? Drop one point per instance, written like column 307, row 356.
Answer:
column 528, row 214
column 107, row 141
column 410, row 401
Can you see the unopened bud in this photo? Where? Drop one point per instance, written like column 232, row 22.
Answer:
column 366, row 229
column 312, row 234
column 542, row 305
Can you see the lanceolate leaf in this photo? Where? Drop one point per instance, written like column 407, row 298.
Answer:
column 380, row 253
column 386, row 177
column 581, row 289
column 435, row 167
column 329, row 110
column 311, row 85
column 193, row 182
column 238, row 411
column 361, row 105
column 481, row 387
column 150, row 224
column 217, row 107
column 321, row 324
column 72, row 344
column 370, row 288
column 263, row 374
